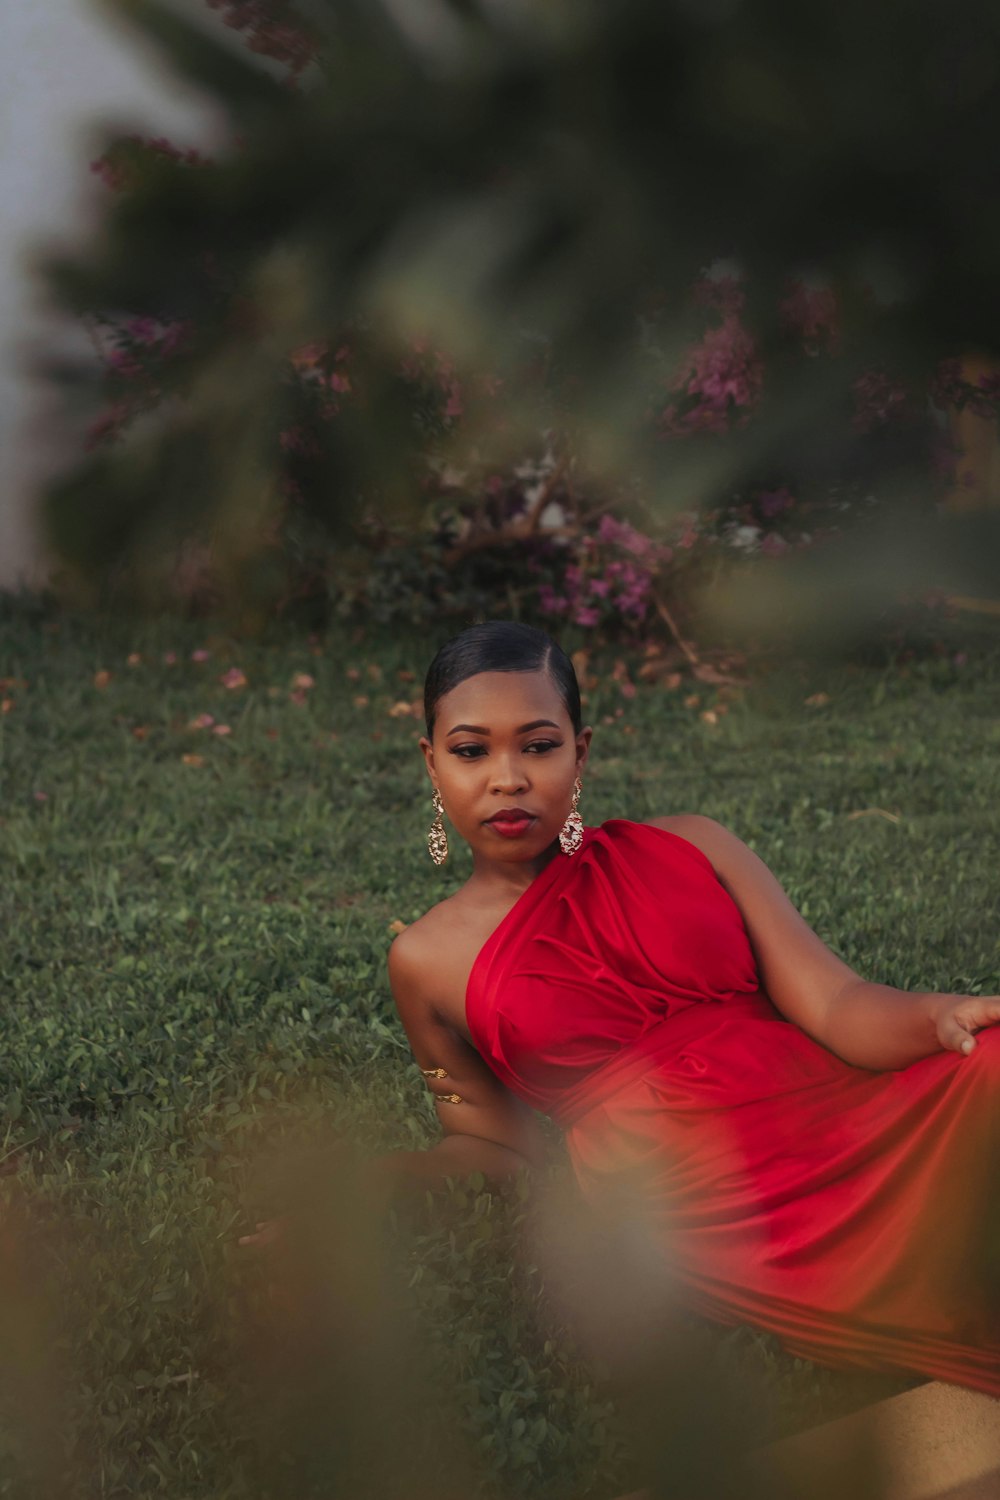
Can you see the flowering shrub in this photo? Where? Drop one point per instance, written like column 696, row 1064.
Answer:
column 488, row 532
column 720, row 378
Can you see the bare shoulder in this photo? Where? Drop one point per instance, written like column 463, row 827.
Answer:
column 712, row 838
column 429, row 963
column 415, row 955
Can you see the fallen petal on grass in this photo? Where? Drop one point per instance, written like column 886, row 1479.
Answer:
column 6, row 705
column 818, row 700
column 133, row 659
column 397, row 927
column 101, row 679
column 222, row 729
column 193, row 760
column 874, row 812
column 140, row 732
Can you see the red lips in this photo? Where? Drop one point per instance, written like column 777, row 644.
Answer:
column 511, row 822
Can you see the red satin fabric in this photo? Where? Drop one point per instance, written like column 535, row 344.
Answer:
column 839, row 1208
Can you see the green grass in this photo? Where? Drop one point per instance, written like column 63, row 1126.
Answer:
column 194, row 978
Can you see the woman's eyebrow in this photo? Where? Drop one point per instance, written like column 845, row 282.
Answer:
column 524, row 728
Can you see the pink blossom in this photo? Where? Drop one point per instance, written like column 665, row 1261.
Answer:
column 774, row 502
column 719, row 375
column 878, row 401
column 124, row 363
column 298, row 439
column 811, row 312
column 308, row 355
column 221, row 729
column 339, row 383
column 303, row 680
column 299, row 696
column 268, row 35
column 108, row 427
column 41, row 796
column 551, row 602
column 200, row 655
column 233, row 679
column 946, row 387
column 143, row 330
column 454, row 406
column 170, row 658
column 621, row 534
column 202, row 721
column 584, row 615
column 688, row 522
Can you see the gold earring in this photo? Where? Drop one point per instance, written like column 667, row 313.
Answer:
column 437, row 838
column 571, row 833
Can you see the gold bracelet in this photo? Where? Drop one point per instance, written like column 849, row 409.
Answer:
column 434, row 1072
column 448, row 1099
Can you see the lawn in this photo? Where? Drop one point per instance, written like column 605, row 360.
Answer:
column 206, row 843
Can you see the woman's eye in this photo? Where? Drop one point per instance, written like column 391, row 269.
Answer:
column 468, row 752
column 539, row 747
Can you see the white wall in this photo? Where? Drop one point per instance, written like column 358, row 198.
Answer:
column 62, row 67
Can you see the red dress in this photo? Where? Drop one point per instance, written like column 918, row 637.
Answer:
column 840, row 1208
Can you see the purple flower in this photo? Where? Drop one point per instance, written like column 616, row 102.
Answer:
column 586, row 616
column 774, row 502
column 551, row 602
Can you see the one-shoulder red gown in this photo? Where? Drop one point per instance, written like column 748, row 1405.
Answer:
column 842, row 1209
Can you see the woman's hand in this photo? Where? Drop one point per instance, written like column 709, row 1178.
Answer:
column 957, row 1017
column 268, row 1232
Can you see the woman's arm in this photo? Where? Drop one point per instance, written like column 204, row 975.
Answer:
column 486, row 1128
column 869, row 1025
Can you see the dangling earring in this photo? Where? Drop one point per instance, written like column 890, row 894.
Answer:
column 571, row 833
column 437, row 838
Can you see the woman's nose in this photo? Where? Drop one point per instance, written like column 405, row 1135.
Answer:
column 508, row 777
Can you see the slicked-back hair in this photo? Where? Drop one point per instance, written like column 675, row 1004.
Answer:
column 500, row 646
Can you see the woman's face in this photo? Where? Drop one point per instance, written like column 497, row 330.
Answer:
column 504, row 757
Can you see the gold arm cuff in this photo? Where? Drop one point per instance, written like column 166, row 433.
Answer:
column 434, row 1072
column 448, row 1099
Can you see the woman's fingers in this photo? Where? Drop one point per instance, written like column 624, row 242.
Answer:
column 956, row 1037
column 971, row 1014
column 268, row 1231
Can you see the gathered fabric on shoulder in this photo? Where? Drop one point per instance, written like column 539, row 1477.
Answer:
column 847, row 1211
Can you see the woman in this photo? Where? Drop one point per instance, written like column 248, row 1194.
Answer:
column 815, row 1150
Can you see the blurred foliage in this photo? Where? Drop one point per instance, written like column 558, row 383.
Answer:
column 440, row 230
column 207, row 843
